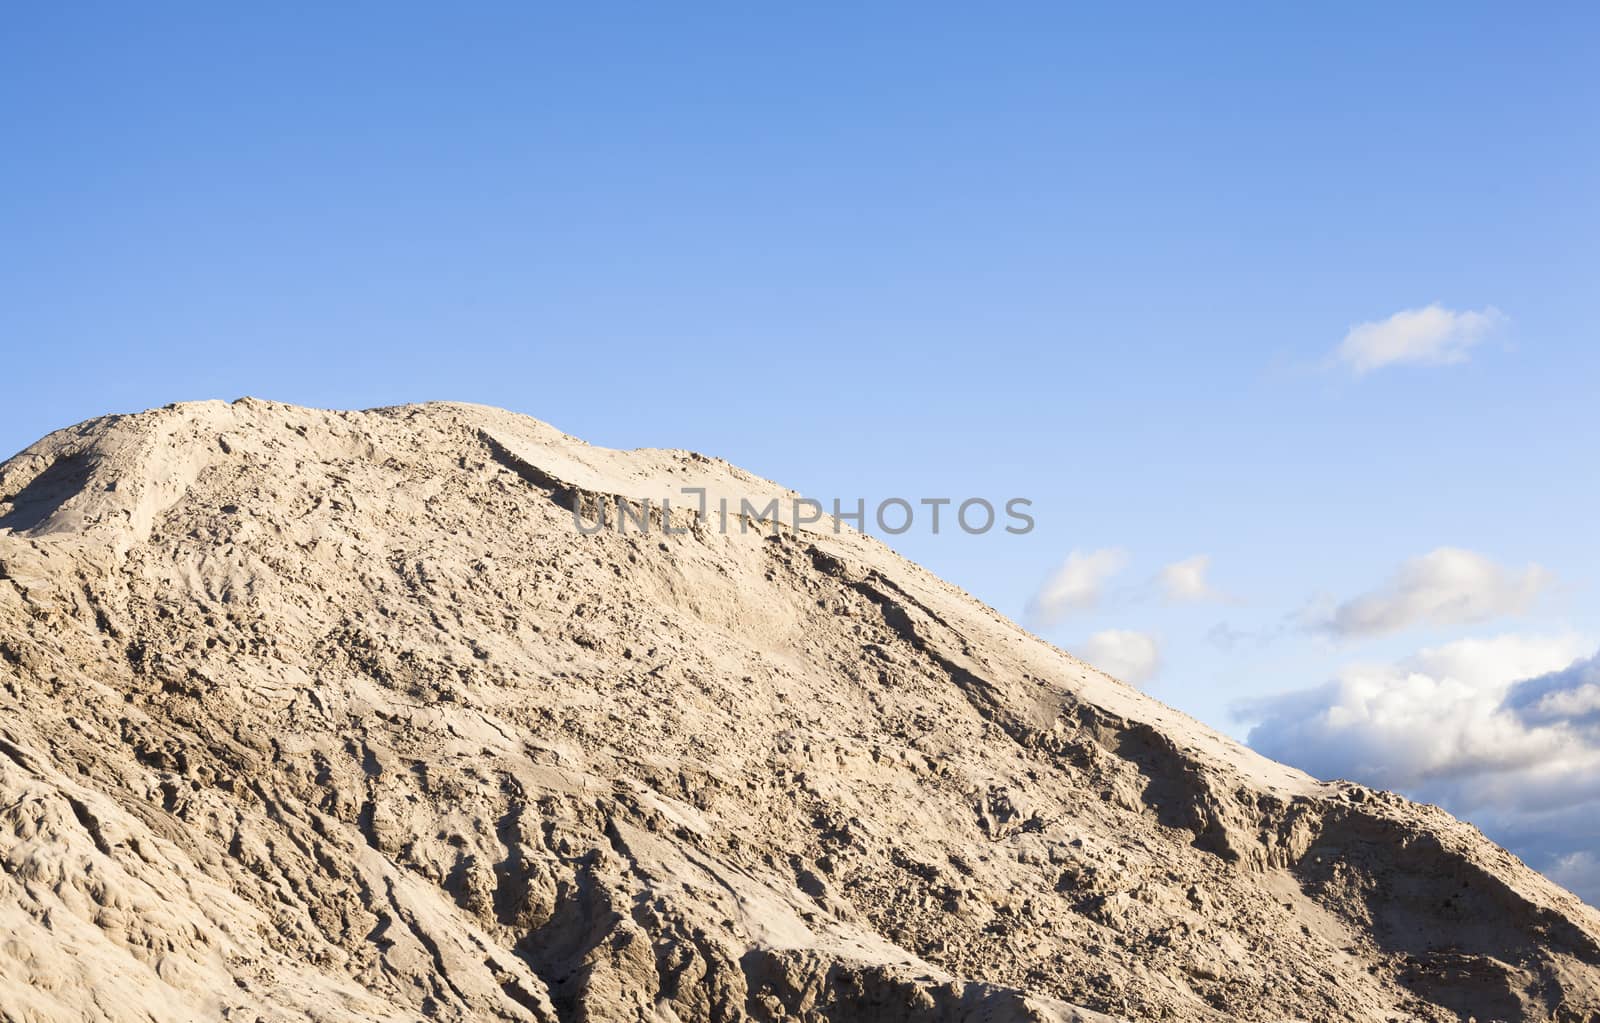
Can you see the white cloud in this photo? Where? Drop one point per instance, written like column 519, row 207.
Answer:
column 1121, row 653
column 1503, row 731
column 1185, row 581
column 1572, row 696
column 1076, row 585
column 1432, row 335
column 1448, row 586
column 1438, row 714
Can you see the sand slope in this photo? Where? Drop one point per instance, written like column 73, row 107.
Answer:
column 339, row 716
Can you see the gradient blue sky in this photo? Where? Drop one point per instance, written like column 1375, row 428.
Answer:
column 1100, row 259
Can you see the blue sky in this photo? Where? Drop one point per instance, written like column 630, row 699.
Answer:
column 1101, row 259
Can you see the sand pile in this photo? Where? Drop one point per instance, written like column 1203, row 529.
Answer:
column 341, row 716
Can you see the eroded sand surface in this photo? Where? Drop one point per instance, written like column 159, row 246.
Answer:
column 338, row 716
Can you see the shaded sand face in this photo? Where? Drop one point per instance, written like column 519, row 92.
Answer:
column 340, row 716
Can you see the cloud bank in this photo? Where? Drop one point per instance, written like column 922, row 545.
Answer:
column 1504, row 732
column 1430, row 336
